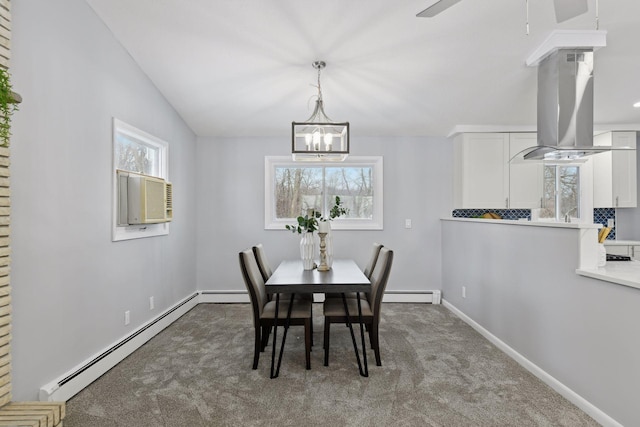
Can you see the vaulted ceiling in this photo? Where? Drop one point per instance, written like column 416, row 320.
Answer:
column 243, row 67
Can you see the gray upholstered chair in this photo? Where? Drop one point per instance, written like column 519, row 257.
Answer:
column 266, row 271
column 334, row 312
column 263, row 262
column 368, row 269
column 264, row 311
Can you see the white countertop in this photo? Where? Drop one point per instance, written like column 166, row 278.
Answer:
column 622, row 272
column 527, row 223
column 622, row 243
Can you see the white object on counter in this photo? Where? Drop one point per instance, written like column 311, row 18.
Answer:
column 602, row 255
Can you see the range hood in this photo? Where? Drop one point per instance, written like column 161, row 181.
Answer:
column 565, row 97
column 565, row 107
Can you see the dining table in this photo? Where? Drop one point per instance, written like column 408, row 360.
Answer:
column 344, row 276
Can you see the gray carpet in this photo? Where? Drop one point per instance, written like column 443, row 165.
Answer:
column 436, row 371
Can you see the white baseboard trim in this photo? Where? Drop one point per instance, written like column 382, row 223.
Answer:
column 224, row 297
column 593, row 411
column 429, row 297
column 91, row 369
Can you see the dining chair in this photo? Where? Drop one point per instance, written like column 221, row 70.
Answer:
column 368, row 269
column 264, row 311
column 334, row 308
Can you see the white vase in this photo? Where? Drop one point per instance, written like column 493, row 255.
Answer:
column 307, row 250
column 602, row 255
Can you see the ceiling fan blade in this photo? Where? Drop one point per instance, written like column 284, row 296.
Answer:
column 436, row 8
column 567, row 9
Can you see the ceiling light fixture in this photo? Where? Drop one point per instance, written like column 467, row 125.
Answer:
column 637, row 104
column 319, row 138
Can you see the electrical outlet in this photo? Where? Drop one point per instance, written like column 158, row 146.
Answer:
column 611, row 223
column 407, row 223
column 464, row 292
column 151, row 303
column 127, row 317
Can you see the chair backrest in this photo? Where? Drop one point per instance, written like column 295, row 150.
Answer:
column 263, row 263
column 254, row 282
column 372, row 261
column 379, row 278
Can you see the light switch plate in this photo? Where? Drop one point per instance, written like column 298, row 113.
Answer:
column 611, row 223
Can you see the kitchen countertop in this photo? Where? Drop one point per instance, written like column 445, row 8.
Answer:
column 622, row 243
column 527, row 223
column 625, row 273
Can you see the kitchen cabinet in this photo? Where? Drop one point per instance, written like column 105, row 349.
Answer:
column 484, row 178
column 526, row 178
column 615, row 172
column 481, row 170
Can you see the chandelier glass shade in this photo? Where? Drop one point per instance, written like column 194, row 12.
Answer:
column 319, row 138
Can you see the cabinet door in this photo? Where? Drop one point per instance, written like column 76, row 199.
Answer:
column 614, row 172
column 624, row 170
column 602, row 173
column 525, row 177
column 482, row 172
column 635, row 252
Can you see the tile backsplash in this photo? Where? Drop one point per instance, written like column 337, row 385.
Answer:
column 600, row 215
column 514, row 214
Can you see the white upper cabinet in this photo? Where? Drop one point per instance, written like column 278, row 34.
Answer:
column 481, row 171
column 484, row 178
column 525, row 177
column 614, row 173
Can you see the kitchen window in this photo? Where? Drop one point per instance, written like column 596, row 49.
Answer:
column 293, row 187
column 561, row 192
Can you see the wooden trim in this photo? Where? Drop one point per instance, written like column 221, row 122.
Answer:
column 40, row 414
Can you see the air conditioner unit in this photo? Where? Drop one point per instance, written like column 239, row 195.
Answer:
column 143, row 199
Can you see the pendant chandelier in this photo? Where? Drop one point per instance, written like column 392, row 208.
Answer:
column 319, row 138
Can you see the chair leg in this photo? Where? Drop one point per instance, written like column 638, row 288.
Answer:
column 311, row 320
column 327, row 325
column 266, row 331
column 256, row 350
column 307, row 342
column 375, row 343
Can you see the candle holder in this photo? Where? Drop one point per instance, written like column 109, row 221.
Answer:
column 323, row 253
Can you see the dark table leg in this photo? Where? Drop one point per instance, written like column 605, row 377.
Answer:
column 365, row 372
column 284, row 335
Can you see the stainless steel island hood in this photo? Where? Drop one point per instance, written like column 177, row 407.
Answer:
column 565, row 107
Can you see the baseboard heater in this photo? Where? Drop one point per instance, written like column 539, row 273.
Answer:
column 47, row 391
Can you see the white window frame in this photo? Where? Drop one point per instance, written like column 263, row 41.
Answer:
column 129, row 232
column 376, row 223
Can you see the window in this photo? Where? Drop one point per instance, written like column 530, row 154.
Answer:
column 561, row 191
column 293, row 187
column 137, row 151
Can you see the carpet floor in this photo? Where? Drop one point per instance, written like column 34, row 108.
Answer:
column 436, row 371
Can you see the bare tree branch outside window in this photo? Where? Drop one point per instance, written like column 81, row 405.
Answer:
column 299, row 189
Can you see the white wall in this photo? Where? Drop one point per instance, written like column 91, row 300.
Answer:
column 417, row 185
column 71, row 284
column 522, row 287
